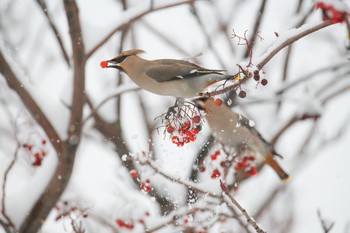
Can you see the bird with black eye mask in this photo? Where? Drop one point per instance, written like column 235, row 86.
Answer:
column 168, row 77
column 234, row 130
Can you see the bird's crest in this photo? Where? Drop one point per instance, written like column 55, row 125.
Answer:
column 131, row 52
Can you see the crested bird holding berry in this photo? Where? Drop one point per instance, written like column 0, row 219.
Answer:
column 170, row 77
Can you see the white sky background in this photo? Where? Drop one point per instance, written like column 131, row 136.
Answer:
column 98, row 179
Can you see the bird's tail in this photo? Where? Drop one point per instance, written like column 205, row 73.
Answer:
column 270, row 160
column 214, row 78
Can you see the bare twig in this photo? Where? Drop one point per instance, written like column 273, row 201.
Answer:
column 28, row 101
column 335, row 94
column 269, row 200
column 291, row 122
column 289, row 51
column 206, row 35
column 201, row 155
column 173, row 45
column 120, row 91
column 4, row 182
column 225, row 89
column 222, row 26
column 179, row 181
column 326, row 227
column 250, row 220
column 113, row 132
column 308, row 76
column 59, row 181
column 290, row 41
column 131, row 21
column 55, row 31
column 257, row 24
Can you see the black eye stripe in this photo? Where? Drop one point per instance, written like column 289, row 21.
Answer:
column 119, row 59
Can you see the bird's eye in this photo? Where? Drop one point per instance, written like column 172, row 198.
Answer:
column 119, row 59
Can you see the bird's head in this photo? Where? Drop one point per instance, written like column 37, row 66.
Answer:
column 207, row 103
column 117, row 62
column 201, row 103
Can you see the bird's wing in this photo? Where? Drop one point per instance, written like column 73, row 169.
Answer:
column 164, row 70
column 246, row 123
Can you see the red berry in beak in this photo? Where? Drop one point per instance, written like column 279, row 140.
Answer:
column 103, row 64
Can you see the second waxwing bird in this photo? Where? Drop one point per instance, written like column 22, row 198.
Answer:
column 233, row 130
column 168, row 77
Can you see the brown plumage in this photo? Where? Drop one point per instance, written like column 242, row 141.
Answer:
column 166, row 76
column 233, row 130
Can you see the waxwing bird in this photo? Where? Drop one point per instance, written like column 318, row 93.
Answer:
column 234, row 131
column 169, row 77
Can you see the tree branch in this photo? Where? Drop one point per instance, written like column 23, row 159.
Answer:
column 250, row 220
column 257, row 24
column 4, row 182
column 43, row 7
column 290, row 41
column 30, row 104
column 63, row 171
column 131, row 21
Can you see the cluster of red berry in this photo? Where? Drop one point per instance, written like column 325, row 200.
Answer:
column 133, row 173
column 215, row 173
column 187, row 131
column 130, row 224
column 246, row 164
column 329, row 12
column 146, row 186
column 66, row 209
column 37, row 152
column 183, row 124
column 122, row 224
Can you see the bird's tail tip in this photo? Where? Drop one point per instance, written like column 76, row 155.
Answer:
column 285, row 178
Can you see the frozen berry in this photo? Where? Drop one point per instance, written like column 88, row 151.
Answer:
column 215, row 174
column 264, row 82
column 196, row 119
column 202, row 168
column 103, row 64
column 170, row 129
column 133, row 173
column 218, row 102
column 242, row 94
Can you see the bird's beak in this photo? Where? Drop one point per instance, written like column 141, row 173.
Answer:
column 113, row 64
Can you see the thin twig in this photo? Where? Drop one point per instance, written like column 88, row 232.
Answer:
column 257, row 24
column 5, row 226
column 31, row 105
column 4, row 182
column 335, row 94
column 250, row 220
column 292, row 121
column 131, row 21
column 206, row 35
column 55, row 31
column 56, row 186
column 326, row 227
column 225, row 89
column 201, row 155
column 290, row 41
column 173, row 45
column 179, row 181
column 323, row 70
column 121, row 90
